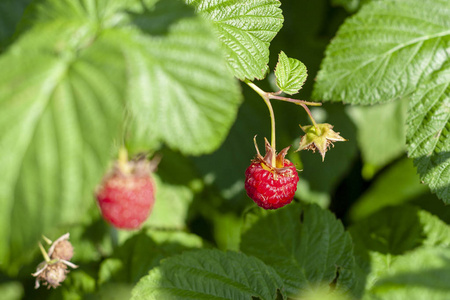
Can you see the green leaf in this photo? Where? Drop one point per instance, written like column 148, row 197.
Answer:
column 62, row 100
column 210, row 274
column 142, row 252
column 245, row 29
column 380, row 132
column 422, row 274
column 396, row 230
column 290, row 73
column 392, row 235
column 400, row 183
column 62, row 113
column 180, row 89
column 384, row 51
column 307, row 246
column 428, row 135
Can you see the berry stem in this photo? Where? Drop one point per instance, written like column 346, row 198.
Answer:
column 302, row 103
column 295, row 101
column 114, row 237
column 267, row 96
column 123, row 160
column 310, row 115
column 266, row 99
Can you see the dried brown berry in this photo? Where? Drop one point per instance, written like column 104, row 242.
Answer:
column 52, row 271
column 63, row 250
column 52, row 275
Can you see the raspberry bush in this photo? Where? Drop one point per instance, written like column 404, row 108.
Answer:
column 195, row 85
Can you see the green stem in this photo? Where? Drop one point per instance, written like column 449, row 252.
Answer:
column 267, row 96
column 310, row 115
column 266, row 99
column 302, row 103
column 295, row 101
column 114, row 237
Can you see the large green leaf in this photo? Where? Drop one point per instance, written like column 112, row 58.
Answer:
column 384, row 51
column 62, row 100
column 245, row 28
column 210, row 274
column 62, row 112
column 307, row 246
column 181, row 91
column 142, row 252
column 428, row 134
column 421, row 274
column 396, row 230
column 395, row 235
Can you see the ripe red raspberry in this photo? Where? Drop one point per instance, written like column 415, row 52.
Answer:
column 126, row 195
column 269, row 185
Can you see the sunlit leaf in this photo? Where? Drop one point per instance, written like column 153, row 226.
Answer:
column 210, row 274
column 290, row 73
column 428, row 134
column 246, row 29
column 384, row 50
column 307, row 246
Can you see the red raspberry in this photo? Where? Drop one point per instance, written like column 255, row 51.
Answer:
column 269, row 186
column 126, row 195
